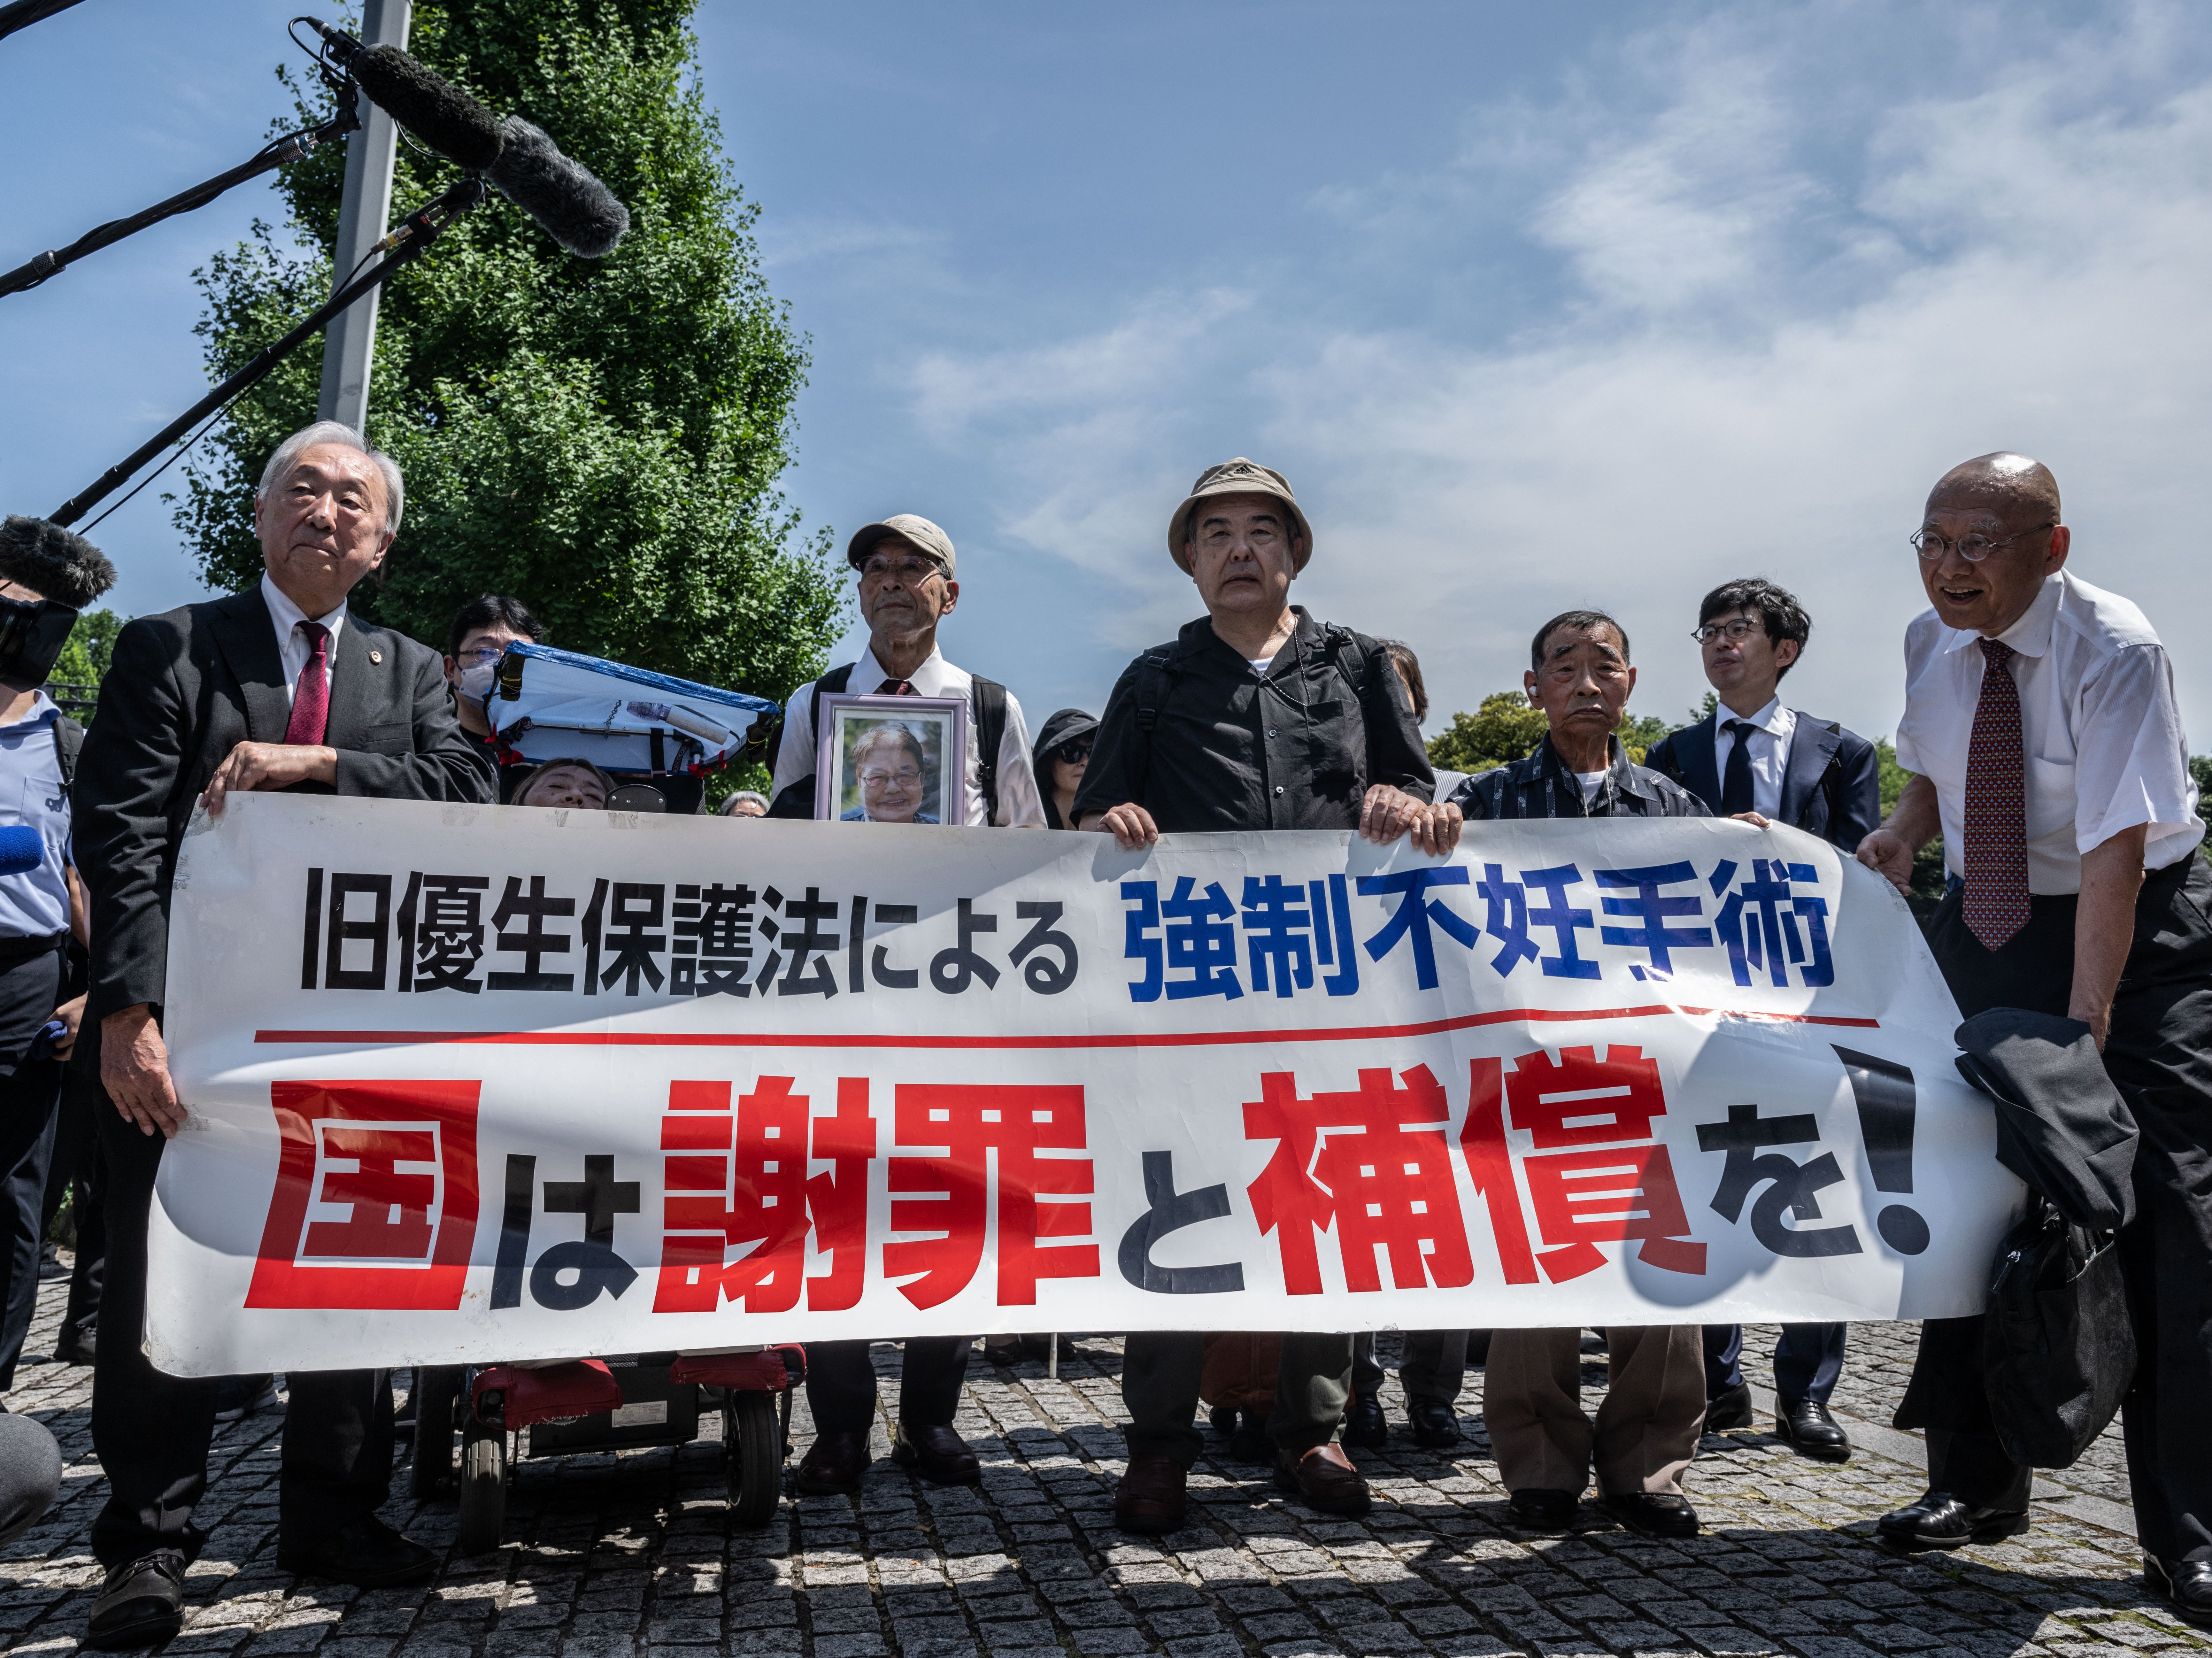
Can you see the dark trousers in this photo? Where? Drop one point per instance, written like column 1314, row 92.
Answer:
column 841, row 1383
column 2159, row 1057
column 30, row 1094
column 1432, row 1365
column 152, row 1431
column 1160, row 1371
column 80, row 1106
column 1808, row 1358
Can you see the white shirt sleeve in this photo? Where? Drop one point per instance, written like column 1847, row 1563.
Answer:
column 2131, row 757
column 794, row 753
column 1020, row 804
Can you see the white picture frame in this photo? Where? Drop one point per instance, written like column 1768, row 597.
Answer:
column 934, row 728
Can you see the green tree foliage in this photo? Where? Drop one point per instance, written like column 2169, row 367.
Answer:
column 83, row 661
column 599, row 439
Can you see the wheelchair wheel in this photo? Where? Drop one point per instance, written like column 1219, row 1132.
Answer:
column 437, row 1389
column 484, row 1488
column 752, row 1443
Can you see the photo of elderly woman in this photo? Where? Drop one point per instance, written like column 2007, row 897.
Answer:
column 894, row 779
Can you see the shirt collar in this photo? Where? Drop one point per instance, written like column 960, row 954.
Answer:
column 43, row 709
column 2030, row 634
column 1621, row 774
column 1772, row 718
column 933, row 678
column 289, row 616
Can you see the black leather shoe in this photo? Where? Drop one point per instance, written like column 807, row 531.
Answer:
column 1536, row 1508
column 1806, row 1425
column 1364, row 1425
column 1433, row 1422
column 1940, row 1521
column 1249, row 1442
column 141, row 1605
column 1149, row 1498
column 1652, row 1514
column 938, row 1454
column 75, row 1346
column 2184, row 1585
column 833, row 1464
column 367, row 1553
column 1731, row 1409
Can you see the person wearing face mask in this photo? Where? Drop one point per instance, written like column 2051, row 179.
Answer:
column 1063, row 751
column 479, row 636
column 574, row 783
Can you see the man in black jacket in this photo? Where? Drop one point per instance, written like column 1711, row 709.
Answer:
column 1754, row 755
column 1257, row 717
column 274, row 689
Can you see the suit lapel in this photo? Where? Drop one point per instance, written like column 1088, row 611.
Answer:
column 1812, row 746
column 247, row 635
column 1701, row 774
column 354, row 682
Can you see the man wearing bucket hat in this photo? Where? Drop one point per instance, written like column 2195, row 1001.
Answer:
column 905, row 564
column 1257, row 717
column 906, row 587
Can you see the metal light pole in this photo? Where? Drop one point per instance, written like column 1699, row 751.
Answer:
column 349, row 345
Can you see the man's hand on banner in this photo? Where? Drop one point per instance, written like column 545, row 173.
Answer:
column 1885, row 852
column 1388, row 813
column 1753, row 818
column 268, row 766
column 134, row 1069
column 1130, row 825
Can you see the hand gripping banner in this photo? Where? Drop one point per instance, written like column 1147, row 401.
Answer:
column 479, row 1083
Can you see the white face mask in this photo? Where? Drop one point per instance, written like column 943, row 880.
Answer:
column 476, row 682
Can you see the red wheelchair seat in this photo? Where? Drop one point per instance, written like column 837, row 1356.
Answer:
column 556, row 1392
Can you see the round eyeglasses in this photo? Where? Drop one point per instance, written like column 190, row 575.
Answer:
column 1931, row 544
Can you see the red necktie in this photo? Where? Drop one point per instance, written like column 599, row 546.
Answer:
column 1995, row 852
column 895, row 688
column 310, row 698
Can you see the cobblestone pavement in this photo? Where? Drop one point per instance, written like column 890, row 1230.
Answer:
column 623, row 1555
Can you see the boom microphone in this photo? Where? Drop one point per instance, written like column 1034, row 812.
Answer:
column 574, row 208
column 427, row 104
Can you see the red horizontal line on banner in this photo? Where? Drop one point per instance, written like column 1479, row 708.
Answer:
column 1174, row 1039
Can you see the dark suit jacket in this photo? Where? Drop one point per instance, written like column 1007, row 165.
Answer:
column 1825, row 761
column 182, row 690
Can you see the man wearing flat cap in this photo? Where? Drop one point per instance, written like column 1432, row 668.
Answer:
column 1257, row 717
column 46, row 576
column 2041, row 722
column 905, row 565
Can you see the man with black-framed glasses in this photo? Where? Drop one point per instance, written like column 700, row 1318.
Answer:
column 1754, row 754
column 2041, row 719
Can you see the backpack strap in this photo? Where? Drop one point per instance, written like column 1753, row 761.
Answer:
column 1340, row 643
column 69, row 743
column 797, row 799
column 1156, row 675
column 987, row 702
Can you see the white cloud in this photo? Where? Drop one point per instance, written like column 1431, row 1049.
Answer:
column 1794, row 290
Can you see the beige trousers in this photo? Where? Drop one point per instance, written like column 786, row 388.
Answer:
column 1646, row 1431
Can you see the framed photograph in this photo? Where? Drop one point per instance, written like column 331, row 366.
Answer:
column 891, row 759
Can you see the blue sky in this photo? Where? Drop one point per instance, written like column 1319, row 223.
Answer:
column 1537, row 307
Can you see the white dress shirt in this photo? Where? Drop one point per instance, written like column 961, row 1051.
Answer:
column 2100, row 734
column 1774, row 725
column 1020, row 805
column 293, row 646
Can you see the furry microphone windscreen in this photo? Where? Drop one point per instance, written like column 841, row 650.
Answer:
column 428, row 106
column 58, row 563
column 575, row 210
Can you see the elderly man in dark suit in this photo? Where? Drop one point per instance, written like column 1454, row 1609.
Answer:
column 1752, row 754
column 274, row 689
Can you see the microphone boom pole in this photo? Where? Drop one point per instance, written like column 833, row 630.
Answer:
column 289, row 147
column 24, row 13
column 419, row 230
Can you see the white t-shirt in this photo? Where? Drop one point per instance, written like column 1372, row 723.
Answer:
column 2100, row 734
column 1260, row 665
column 1592, row 781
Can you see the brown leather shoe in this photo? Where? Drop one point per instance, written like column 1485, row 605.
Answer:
column 938, row 1454
column 1150, row 1499
column 833, row 1464
column 1324, row 1476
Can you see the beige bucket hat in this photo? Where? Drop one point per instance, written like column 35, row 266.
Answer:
column 914, row 527
column 1239, row 477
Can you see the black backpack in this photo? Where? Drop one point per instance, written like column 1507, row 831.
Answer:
column 986, row 708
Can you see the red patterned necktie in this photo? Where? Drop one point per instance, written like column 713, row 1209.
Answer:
column 1995, row 852
column 310, row 698
column 895, row 688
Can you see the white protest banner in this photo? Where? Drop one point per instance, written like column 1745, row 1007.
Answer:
column 472, row 1083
